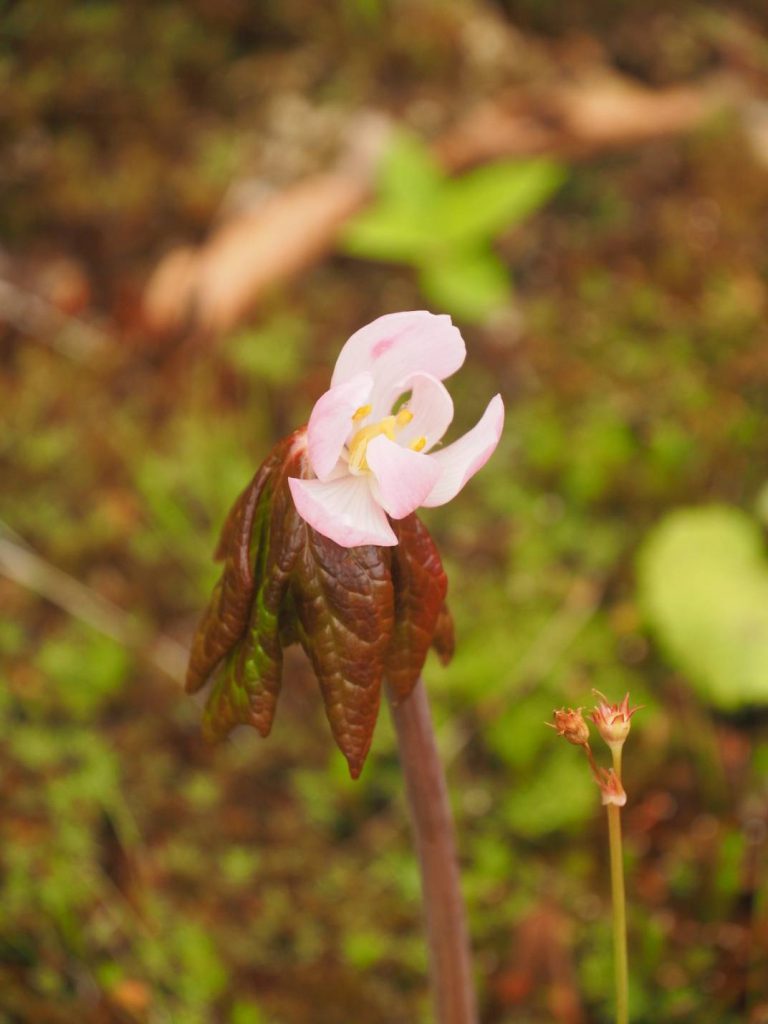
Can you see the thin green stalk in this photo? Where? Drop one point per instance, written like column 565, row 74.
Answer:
column 618, row 899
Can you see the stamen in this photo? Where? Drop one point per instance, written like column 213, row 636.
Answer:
column 389, row 426
column 418, row 444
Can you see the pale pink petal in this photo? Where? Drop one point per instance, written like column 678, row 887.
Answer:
column 403, row 478
column 398, row 345
column 432, row 409
column 343, row 510
column 331, row 421
column 462, row 459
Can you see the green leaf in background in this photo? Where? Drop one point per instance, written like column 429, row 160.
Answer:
column 409, row 176
column 399, row 227
column 472, row 284
column 484, row 202
column 390, row 232
column 444, row 226
column 703, row 582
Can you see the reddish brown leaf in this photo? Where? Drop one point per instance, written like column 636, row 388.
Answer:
column 420, row 585
column 247, row 689
column 226, row 617
column 345, row 608
column 356, row 611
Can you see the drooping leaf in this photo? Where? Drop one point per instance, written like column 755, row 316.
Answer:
column 226, row 616
column 247, row 689
column 358, row 612
column 345, row 608
column 420, row 585
column 703, row 578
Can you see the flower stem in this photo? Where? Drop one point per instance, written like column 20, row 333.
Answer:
column 618, row 899
column 434, row 835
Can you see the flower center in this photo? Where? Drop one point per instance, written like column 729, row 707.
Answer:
column 388, row 426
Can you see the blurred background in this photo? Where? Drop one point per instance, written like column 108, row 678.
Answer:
column 200, row 200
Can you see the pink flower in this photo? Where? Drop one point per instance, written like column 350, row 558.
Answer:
column 613, row 721
column 371, row 437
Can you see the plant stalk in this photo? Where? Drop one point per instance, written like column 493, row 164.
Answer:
column 619, row 904
column 435, row 840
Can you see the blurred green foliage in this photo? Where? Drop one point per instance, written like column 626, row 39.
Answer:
column 443, row 226
column 704, row 585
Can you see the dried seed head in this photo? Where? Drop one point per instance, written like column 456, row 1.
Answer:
column 569, row 722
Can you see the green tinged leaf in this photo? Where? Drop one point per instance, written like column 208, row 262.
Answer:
column 226, row 617
column 247, row 689
column 703, row 582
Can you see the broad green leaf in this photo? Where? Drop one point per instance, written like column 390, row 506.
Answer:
column 472, row 285
column 409, row 177
column 481, row 204
column 420, row 213
column 390, row 232
column 399, row 227
column 703, row 582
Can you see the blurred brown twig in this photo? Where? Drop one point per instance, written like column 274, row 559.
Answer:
column 28, row 569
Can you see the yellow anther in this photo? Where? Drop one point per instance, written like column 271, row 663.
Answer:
column 362, row 412
column 388, row 427
column 359, row 442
